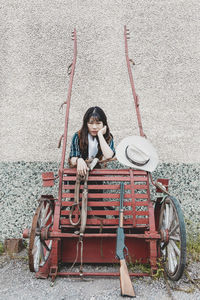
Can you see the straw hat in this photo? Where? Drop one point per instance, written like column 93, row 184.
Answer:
column 138, row 153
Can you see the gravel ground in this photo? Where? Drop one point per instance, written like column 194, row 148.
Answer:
column 17, row 282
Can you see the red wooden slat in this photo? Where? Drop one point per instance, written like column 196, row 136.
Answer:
column 69, row 171
column 69, row 178
column 106, row 186
column 99, row 222
column 100, row 212
column 140, row 180
column 99, row 196
column 101, row 171
column 99, row 178
column 99, row 203
column 107, row 178
column 140, row 186
column 142, row 221
column 141, row 196
column 108, row 212
column 141, row 203
column 141, row 213
column 108, row 171
column 97, row 227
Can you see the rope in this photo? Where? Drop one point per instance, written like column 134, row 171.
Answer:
column 76, row 201
column 80, row 241
column 91, row 164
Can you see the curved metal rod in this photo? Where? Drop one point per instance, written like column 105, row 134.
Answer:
column 68, row 101
column 135, row 96
column 60, row 172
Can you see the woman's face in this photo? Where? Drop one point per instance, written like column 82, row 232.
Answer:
column 94, row 126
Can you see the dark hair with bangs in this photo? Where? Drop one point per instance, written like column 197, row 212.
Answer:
column 98, row 115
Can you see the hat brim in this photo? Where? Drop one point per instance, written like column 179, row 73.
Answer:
column 141, row 143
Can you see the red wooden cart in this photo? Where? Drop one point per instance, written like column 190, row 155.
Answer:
column 153, row 229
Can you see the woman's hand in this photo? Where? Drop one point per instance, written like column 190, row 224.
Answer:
column 102, row 131
column 105, row 148
column 81, row 167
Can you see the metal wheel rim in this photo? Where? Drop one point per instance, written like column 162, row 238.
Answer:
column 38, row 253
column 172, row 252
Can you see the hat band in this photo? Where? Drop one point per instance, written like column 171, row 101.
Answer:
column 134, row 162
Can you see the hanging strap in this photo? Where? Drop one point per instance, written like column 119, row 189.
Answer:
column 76, row 202
column 83, row 217
column 83, row 214
column 84, row 204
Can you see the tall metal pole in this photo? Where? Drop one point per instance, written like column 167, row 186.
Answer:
column 68, row 101
column 135, row 96
column 60, row 172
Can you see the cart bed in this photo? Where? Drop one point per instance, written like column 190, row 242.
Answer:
column 103, row 198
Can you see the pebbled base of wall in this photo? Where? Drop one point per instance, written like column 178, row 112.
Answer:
column 21, row 187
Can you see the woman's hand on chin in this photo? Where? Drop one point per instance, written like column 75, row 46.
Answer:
column 102, row 131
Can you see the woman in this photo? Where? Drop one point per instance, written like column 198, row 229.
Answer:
column 92, row 140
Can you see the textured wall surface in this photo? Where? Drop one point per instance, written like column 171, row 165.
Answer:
column 36, row 49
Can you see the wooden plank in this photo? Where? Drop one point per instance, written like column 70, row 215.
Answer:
column 141, row 203
column 109, row 171
column 98, row 196
column 97, row 226
column 98, row 203
column 141, row 196
column 142, row 221
column 95, row 221
column 106, row 187
column 103, row 195
column 100, row 212
column 107, row 178
column 101, row 171
column 141, row 213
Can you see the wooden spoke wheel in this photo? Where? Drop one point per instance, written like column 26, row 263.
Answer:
column 39, row 249
column 173, row 238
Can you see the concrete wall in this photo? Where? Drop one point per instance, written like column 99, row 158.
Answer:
column 36, row 49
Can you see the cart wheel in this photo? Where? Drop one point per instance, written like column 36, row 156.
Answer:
column 39, row 250
column 173, row 238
